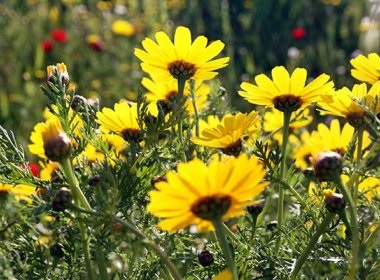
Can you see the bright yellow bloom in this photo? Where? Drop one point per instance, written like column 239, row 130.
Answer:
column 21, row 192
column 366, row 69
column 370, row 187
column 48, row 170
column 227, row 133
column 76, row 123
column 345, row 103
column 224, row 275
column 182, row 59
column 50, row 141
column 333, row 138
column 285, row 92
column 123, row 28
column 198, row 192
column 166, row 93
column 122, row 120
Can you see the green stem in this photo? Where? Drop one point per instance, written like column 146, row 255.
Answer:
column 354, row 265
column 220, row 234
column 196, row 117
column 314, row 239
column 81, row 200
column 181, row 89
column 281, row 193
column 355, row 190
column 159, row 252
column 372, row 239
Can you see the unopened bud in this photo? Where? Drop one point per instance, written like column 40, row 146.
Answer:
column 205, row 258
column 57, row 144
column 56, row 250
column 327, row 166
column 62, row 200
column 334, row 201
column 255, row 209
column 78, row 103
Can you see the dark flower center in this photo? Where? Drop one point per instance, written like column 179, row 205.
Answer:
column 287, row 102
column 58, row 148
column 357, row 119
column 233, row 149
column 211, row 207
column 181, row 69
column 132, row 135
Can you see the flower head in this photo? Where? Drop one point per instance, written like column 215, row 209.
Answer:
column 123, row 28
column 285, row 92
column 366, row 69
column 227, row 133
column 21, row 192
column 50, row 141
column 166, row 94
column 95, row 42
column 59, row 35
column 182, row 59
column 349, row 103
column 298, row 33
column 59, row 70
column 47, row 45
column 122, row 120
column 197, row 192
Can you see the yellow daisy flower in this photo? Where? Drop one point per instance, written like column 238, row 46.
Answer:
column 21, row 192
column 197, row 192
column 122, row 120
column 166, row 93
column 345, row 103
column 50, row 141
column 48, row 170
column 370, row 187
column 326, row 138
column 285, row 92
column 123, row 28
column 76, row 123
column 227, row 133
column 366, row 69
column 182, row 59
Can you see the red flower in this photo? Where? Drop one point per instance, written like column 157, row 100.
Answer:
column 298, row 33
column 97, row 46
column 47, row 45
column 59, row 35
column 33, row 167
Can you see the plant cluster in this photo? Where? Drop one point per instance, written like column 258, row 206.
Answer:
column 179, row 185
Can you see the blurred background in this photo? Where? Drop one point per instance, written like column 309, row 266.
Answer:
column 96, row 40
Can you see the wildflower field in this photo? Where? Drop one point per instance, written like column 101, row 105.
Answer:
column 178, row 139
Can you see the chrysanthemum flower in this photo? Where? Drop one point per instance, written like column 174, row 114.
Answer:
column 326, row 138
column 370, row 187
column 347, row 103
column 21, row 192
column 182, row 59
column 198, row 193
column 122, row 120
column 227, row 134
column 366, row 69
column 285, row 92
column 123, row 28
column 50, row 141
column 76, row 123
column 48, row 170
column 166, row 93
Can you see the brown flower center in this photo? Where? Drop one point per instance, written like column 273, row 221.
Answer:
column 287, row 102
column 211, row 207
column 181, row 69
column 58, row 148
column 357, row 119
column 233, row 149
column 132, row 135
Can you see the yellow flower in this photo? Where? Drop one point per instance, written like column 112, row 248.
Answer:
column 333, row 138
column 123, row 28
column 21, row 192
column 366, row 69
column 224, row 275
column 50, row 141
column 197, row 192
column 285, row 92
column 370, row 187
column 166, row 93
column 122, row 120
column 76, row 123
column 48, row 170
column 345, row 103
column 227, row 134
column 182, row 60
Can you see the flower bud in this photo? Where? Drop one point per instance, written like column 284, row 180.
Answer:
column 78, row 103
column 62, row 200
column 57, row 144
column 60, row 71
column 255, row 209
column 56, row 250
column 334, row 201
column 205, row 258
column 327, row 166
column 94, row 180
